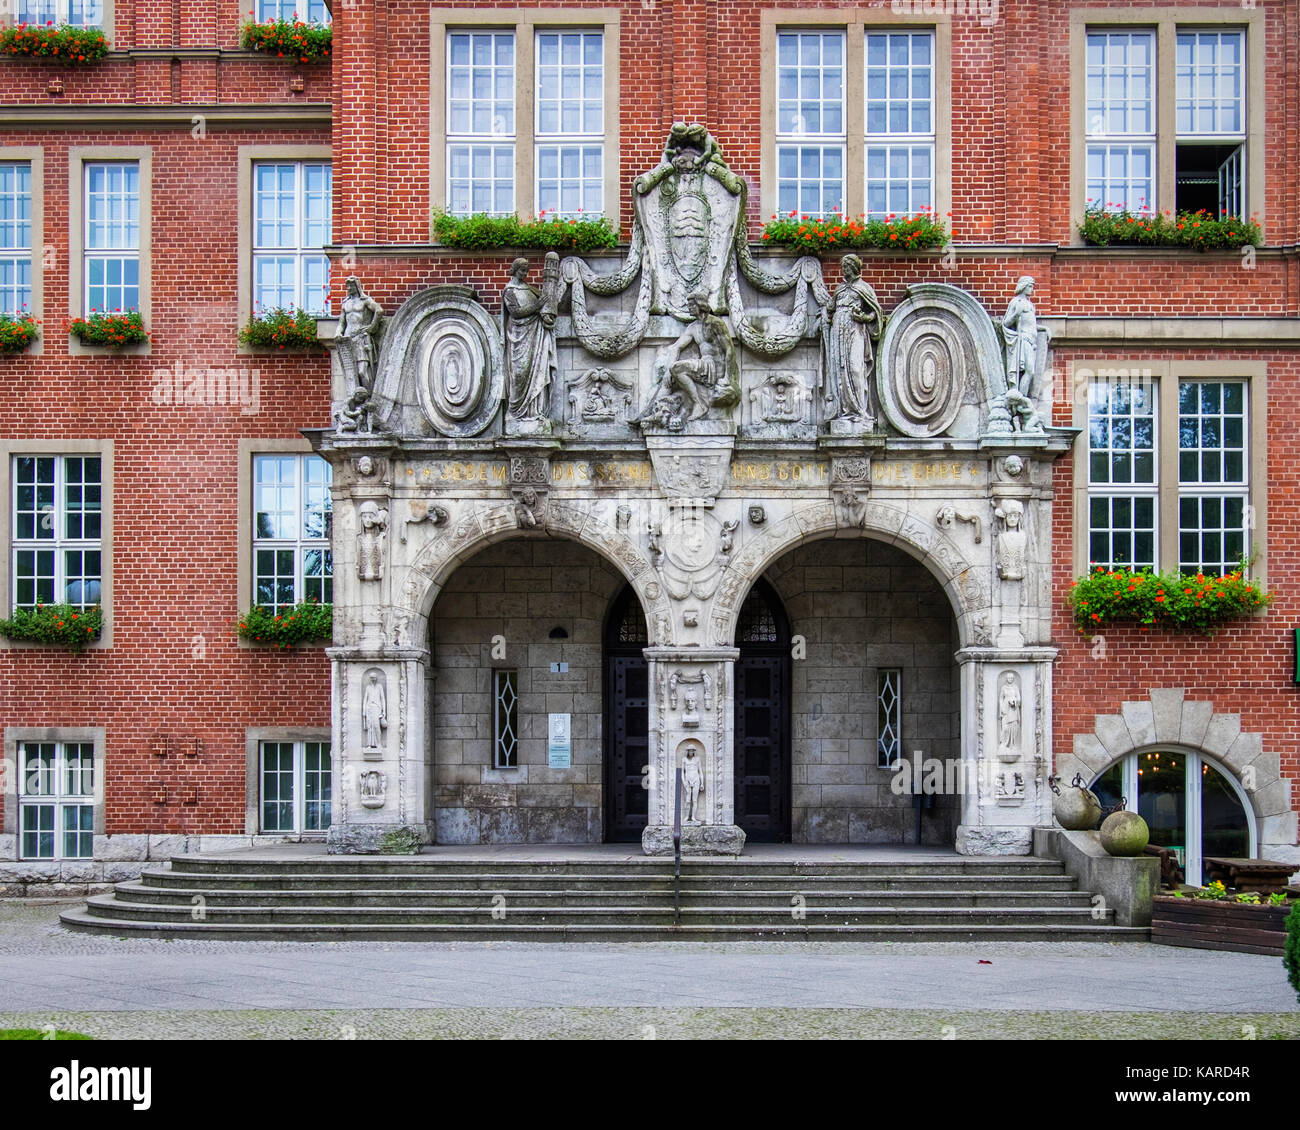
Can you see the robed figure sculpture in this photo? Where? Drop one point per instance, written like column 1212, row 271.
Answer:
column 530, row 342
column 853, row 321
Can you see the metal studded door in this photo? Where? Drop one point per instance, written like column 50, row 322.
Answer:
column 627, row 721
column 763, row 719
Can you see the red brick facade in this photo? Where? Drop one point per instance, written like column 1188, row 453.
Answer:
column 174, row 666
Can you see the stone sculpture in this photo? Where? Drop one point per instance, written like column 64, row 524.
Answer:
column 355, row 416
column 360, row 318
column 1009, row 716
column 1013, row 542
column 1020, row 332
column 592, row 399
column 374, row 709
column 687, row 387
column 854, row 320
column 529, row 315
column 692, row 784
column 372, row 525
column 372, row 787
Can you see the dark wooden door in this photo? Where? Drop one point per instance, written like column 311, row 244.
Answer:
column 627, row 721
column 763, row 718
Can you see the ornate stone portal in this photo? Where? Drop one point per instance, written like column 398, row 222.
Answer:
column 691, row 415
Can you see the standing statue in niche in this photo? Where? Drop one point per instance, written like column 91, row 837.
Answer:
column 531, row 365
column 853, row 321
column 1020, row 332
column 1009, row 716
column 372, row 525
column 692, row 785
column 360, row 317
column 1013, row 542
column 374, row 710
column 688, row 384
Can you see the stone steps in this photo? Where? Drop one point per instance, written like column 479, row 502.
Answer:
column 431, row 898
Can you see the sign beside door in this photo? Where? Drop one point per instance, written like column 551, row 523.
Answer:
column 559, row 747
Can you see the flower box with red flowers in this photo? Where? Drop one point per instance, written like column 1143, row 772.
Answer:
column 294, row 40
column 17, row 332
column 1180, row 602
column 115, row 331
column 829, row 234
column 71, row 46
column 1104, row 227
column 61, row 625
column 280, row 329
column 307, row 622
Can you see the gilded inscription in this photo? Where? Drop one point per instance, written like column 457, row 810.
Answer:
column 779, row 472
column 946, row 472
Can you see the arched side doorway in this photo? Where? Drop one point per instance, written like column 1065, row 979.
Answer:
column 1192, row 805
column 627, row 719
column 762, row 733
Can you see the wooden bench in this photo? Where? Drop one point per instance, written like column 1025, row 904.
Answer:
column 1260, row 875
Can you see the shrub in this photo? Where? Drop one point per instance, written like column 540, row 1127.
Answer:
column 65, row 625
column 116, row 330
column 17, row 332
column 1291, row 949
column 1198, row 230
column 281, row 329
column 837, row 233
column 309, row 621
column 72, row 46
column 400, row 841
column 1215, row 892
column 1181, row 602
column 289, row 39
column 480, row 233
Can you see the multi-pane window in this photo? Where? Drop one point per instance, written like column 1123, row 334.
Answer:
column 56, row 800
column 1208, row 498
column 15, row 236
column 112, row 236
column 570, row 128
column 1121, row 123
column 810, row 122
column 78, row 13
column 505, row 719
column 889, row 716
column 1210, row 120
column 481, row 122
column 292, row 561
column 900, row 128
column 310, row 11
column 297, row 787
column 57, row 509
column 1212, row 475
column 291, row 226
column 1122, row 474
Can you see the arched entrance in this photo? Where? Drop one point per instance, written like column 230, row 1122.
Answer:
column 762, row 734
column 1192, row 806
column 627, row 719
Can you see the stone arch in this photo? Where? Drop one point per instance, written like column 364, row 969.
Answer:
column 1167, row 718
column 475, row 526
column 967, row 586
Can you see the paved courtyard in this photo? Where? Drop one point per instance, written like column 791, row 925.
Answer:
column 130, row 988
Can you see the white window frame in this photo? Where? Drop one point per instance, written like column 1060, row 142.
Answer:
column 316, row 11
column 78, row 13
column 300, row 251
column 1200, row 490
column 1193, row 857
column 16, row 254
column 584, row 140
column 505, row 738
column 524, row 23
column 1218, row 136
column 889, row 140
column 298, row 781
column 13, row 788
column 1132, row 491
column 1107, row 142
column 60, row 545
column 1167, row 376
column 53, row 794
column 801, row 140
column 126, row 253
column 299, row 545
column 496, row 142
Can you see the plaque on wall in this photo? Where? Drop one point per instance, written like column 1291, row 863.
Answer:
column 559, row 749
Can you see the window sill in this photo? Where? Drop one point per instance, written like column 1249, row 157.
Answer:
column 77, row 348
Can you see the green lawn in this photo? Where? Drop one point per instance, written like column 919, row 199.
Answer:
column 39, row 1034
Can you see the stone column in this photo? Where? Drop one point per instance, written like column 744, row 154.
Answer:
column 1006, row 746
column 381, row 771
column 692, row 724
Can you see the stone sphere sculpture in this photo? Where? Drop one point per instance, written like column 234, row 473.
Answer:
column 1076, row 808
column 1124, row 833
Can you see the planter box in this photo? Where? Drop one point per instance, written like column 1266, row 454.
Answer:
column 1203, row 924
